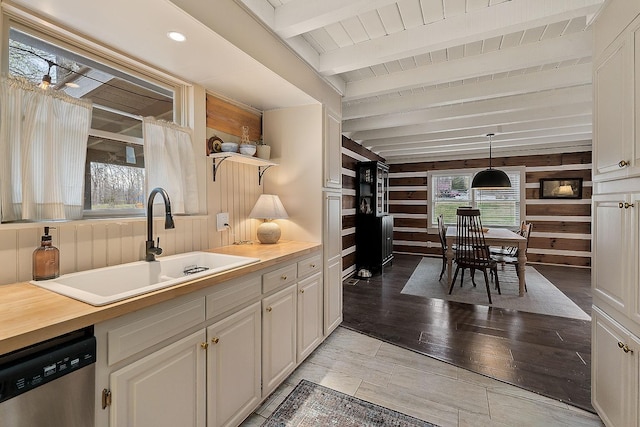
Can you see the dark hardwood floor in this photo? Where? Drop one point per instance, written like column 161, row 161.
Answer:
column 548, row 355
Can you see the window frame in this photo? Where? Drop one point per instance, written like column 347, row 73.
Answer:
column 470, row 172
column 123, row 65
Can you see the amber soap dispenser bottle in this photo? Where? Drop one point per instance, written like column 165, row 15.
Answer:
column 46, row 259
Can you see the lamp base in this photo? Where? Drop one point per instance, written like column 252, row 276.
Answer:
column 269, row 232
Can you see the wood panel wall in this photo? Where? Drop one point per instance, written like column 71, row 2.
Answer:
column 561, row 228
column 226, row 117
column 352, row 153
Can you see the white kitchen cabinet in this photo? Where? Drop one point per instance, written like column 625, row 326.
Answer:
column 332, row 150
column 210, row 358
column 617, row 107
column 614, row 368
column 279, row 337
column 615, row 204
column 612, row 248
column 309, row 322
column 333, row 261
column 233, row 367
column 165, row 388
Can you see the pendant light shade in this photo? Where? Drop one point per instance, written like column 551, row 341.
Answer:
column 491, row 179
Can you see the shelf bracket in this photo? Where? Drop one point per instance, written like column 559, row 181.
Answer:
column 261, row 171
column 216, row 165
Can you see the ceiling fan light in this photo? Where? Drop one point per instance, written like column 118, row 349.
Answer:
column 491, row 179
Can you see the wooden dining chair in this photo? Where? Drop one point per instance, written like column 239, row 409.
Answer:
column 509, row 250
column 471, row 250
column 510, row 255
column 442, row 233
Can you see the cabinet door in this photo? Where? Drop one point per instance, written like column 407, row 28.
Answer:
column 233, row 367
column 613, row 372
column 613, row 112
column 166, row 388
column 611, row 263
column 332, row 151
column 332, row 261
column 309, row 325
column 279, row 337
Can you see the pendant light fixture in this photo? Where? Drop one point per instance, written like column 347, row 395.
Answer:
column 491, row 179
column 46, row 79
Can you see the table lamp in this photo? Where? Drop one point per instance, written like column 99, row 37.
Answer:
column 268, row 207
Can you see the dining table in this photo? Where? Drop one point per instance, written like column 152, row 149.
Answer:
column 492, row 237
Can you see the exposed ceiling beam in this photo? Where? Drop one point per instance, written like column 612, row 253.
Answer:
column 552, row 126
column 489, row 119
column 481, row 24
column 301, row 16
column 429, row 141
column 483, row 148
column 519, row 84
column 549, row 51
column 504, row 104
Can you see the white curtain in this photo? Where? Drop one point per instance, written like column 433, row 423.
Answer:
column 43, row 147
column 170, row 163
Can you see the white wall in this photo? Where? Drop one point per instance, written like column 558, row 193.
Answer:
column 295, row 136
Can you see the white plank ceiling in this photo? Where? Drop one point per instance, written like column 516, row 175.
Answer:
column 420, row 79
column 428, row 79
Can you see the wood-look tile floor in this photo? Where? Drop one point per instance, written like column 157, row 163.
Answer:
column 422, row 387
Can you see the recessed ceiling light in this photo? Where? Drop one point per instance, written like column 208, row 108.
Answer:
column 176, row 36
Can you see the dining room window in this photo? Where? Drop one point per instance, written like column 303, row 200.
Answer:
column 114, row 175
column 451, row 189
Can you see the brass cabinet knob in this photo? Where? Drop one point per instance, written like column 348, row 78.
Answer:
column 302, row 291
column 204, row 345
column 283, row 277
column 269, row 309
column 628, row 205
column 623, row 163
column 620, row 205
column 215, row 340
column 624, row 347
column 313, row 266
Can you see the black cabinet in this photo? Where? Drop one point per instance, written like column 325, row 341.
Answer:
column 374, row 225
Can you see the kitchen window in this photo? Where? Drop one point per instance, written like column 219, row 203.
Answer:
column 451, row 189
column 114, row 182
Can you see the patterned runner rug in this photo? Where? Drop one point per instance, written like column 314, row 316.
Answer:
column 542, row 296
column 313, row 405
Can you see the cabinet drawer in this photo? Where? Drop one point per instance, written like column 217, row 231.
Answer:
column 279, row 277
column 309, row 265
column 133, row 337
column 231, row 295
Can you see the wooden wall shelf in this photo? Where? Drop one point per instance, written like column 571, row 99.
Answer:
column 262, row 164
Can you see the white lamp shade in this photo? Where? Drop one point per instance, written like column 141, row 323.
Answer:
column 565, row 190
column 268, row 206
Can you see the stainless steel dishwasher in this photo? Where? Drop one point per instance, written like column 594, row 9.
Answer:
column 50, row 384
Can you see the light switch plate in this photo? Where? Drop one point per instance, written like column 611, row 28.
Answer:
column 221, row 219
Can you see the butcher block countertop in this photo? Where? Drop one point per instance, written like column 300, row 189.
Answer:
column 30, row 314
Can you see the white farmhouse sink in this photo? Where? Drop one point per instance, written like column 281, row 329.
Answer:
column 102, row 286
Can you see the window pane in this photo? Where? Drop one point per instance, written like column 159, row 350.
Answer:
column 449, row 193
column 116, row 123
column 114, row 170
column 116, row 175
column 500, row 207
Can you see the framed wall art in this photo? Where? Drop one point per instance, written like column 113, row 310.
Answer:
column 563, row 188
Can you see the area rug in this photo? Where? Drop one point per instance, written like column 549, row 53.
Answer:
column 313, row 405
column 542, row 296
